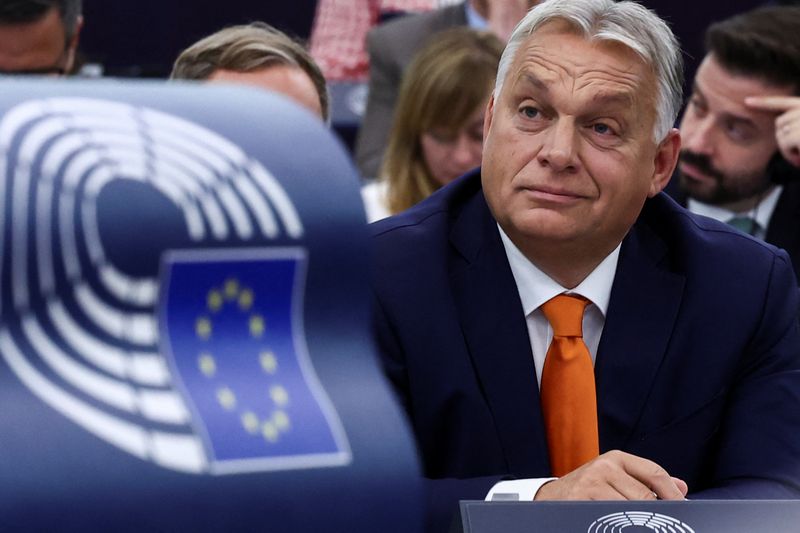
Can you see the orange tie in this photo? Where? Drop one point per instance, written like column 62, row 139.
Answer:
column 569, row 401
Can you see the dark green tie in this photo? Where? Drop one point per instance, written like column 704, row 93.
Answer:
column 744, row 224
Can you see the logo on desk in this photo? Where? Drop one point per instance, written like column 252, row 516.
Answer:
column 617, row 522
column 199, row 367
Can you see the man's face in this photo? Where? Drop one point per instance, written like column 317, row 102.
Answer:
column 38, row 47
column 726, row 146
column 569, row 156
column 288, row 80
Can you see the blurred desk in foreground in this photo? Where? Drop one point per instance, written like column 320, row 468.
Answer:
column 699, row 516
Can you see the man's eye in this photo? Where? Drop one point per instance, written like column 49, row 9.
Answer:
column 602, row 129
column 697, row 106
column 530, row 112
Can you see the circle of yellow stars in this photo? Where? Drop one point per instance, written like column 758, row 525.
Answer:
column 232, row 293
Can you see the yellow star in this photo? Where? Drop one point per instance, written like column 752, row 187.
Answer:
column 226, row 398
column 256, row 325
column 207, row 364
column 214, row 300
column 281, row 420
column 231, row 289
column 246, row 300
column 270, row 432
column 250, row 422
column 279, row 396
column 269, row 362
column 203, row 328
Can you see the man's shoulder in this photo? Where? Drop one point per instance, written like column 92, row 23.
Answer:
column 429, row 223
column 698, row 241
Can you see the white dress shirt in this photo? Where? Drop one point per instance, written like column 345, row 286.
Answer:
column 536, row 288
column 761, row 213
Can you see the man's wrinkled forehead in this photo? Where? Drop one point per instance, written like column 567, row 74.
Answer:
column 542, row 59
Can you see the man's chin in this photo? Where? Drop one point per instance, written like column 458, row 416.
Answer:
column 701, row 190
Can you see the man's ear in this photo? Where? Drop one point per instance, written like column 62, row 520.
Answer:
column 487, row 116
column 72, row 45
column 665, row 160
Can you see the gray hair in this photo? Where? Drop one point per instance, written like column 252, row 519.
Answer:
column 625, row 22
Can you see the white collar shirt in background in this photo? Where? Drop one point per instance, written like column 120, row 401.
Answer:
column 761, row 213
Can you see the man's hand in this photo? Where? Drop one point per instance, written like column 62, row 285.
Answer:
column 615, row 475
column 787, row 125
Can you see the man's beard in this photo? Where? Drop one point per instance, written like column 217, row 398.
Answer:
column 727, row 188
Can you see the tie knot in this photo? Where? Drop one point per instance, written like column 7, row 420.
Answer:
column 565, row 314
column 744, row 224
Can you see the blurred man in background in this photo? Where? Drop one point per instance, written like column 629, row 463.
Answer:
column 257, row 54
column 39, row 36
column 741, row 138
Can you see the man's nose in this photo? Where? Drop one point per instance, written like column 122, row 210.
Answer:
column 698, row 136
column 559, row 149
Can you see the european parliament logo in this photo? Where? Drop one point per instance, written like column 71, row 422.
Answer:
column 638, row 521
column 232, row 323
column 197, row 362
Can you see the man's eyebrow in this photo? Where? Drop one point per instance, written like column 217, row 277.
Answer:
column 616, row 97
column 727, row 116
column 531, row 79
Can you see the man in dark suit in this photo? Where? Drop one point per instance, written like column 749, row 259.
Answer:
column 678, row 374
column 39, row 36
column 736, row 166
column 391, row 47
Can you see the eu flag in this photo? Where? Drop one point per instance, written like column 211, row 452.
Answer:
column 231, row 323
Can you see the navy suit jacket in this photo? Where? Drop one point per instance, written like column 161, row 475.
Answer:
column 783, row 229
column 698, row 367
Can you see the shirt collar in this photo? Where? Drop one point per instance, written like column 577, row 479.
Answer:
column 474, row 20
column 761, row 213
column 535, row 287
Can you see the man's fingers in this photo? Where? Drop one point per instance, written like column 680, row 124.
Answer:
column 682, row 486
column 772, row 103
column 654, row 477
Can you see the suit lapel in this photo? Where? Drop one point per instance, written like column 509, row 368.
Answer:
column 496, row 334
column 644, row 304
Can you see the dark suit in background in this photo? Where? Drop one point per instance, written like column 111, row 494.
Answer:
column 391, row 47
column 697, row 368
column 783, row 230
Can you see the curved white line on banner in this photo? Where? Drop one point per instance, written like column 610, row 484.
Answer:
column 258, row 206
column 96, row 180
column 91, row 233
column 136, row 328
column 19, row 117
column 90, row 156
column 214, row 216
column 58, row 153
column 166, row 407
column 68, row 234
column 187, row 154
column 176, row 451
column 108, row 390
column 122, row 434
column 141, row 292
column 278, row 197
column 19, row 239
column 215, row 143
column 109, row 358
column 44, row 238
column 178, row 170
column 237, row 212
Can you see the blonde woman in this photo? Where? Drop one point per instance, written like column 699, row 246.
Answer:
column 437, row 133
